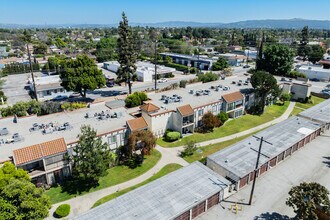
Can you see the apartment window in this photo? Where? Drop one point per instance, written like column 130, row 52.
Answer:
column 112, row 139
column 200, row 112
column 214, row 109
column 230, row 106
column 238, row 113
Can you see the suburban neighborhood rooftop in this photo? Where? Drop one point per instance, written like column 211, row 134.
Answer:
column 164, row 198
column 240, row 158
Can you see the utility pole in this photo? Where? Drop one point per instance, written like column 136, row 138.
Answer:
column 155, row 65
column 257, row 165
column 31, row 70
column 198, row 65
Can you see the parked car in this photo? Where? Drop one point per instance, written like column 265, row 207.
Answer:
column 74, row 95
column 162, row 80
column 246, row 66
column 283, row 79
column 60, row 98
column 3, row 131
column 233, row 82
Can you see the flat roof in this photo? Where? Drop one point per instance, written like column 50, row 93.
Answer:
column 164, row 198
column 190, row 57
column 75, row 118
column 240, row 159
column 319, row 112
column 192, row 99
column 314, row 68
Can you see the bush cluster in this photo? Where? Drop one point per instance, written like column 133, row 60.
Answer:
column 2, row 95
column 183, row 83
column 172, row 136
column 73, row 105
column 208, row 77
column 223, row 117
column 135, row 99
column 62, row 211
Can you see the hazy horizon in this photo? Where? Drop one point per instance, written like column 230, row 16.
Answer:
column 52, row 12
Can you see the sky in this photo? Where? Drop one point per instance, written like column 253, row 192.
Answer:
column 151, row 11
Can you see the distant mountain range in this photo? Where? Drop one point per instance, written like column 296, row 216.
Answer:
column 294, row 23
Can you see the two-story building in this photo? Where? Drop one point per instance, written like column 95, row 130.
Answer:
column 233, row 104
column 46, row 163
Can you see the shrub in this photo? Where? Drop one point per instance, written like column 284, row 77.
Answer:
column 285, row 97
column 135, row 99
column 188, row 149
column 71, row 106
column 295, row 74
column 223, row 117
column 172, row 136
column 62, row 211
column 208, row 77
column 50, row 108
column 183, row 83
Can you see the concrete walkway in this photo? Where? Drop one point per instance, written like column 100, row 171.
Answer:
column 83, row 203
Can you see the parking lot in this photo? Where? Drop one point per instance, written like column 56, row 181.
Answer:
column 16, row 88
column 310, row 164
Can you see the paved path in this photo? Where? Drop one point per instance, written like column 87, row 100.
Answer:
column 83, row 203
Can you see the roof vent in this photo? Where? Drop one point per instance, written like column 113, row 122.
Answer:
column 226, row 161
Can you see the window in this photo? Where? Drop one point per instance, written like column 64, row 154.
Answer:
column 214, row 108
column 238, row 113
column 112, row 139
column 200, row 112
column 230, row 106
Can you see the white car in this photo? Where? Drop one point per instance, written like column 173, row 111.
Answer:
column 162, row 80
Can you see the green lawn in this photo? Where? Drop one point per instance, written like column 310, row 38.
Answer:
column 296, row 111
column 165, row 170
column 299, row 107
column 116, row 175
column 210, row 149
column 231, row 127
column 315, row 101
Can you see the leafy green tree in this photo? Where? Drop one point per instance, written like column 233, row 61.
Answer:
column 304, row 36
column 285, row 97
column 209, row 121
column 315, row 54
column 81, row 75
column 60, row 43
column 40, row 48
column 264, row 85
column 188, row 149
column 105, row 49
column 135, row 99
column 19, row 198
column 278, row 59
column 305, row 198
column 126, row 52
column 221, row 64
column 91, row 158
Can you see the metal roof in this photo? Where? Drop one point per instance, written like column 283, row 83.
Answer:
column 240, row 158
column 319, row 112
column 164, row 198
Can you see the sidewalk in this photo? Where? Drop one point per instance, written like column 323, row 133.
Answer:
column 83, row 203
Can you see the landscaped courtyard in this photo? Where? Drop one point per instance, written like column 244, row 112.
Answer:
column 232, row 126
column 116, row 175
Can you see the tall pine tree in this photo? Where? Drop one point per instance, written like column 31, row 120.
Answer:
column 126, row 52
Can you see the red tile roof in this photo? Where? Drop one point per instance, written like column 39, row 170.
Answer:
column 149, row 107
column 137, row 124
column 186, row 110
column 39, row 151
column 233, row 97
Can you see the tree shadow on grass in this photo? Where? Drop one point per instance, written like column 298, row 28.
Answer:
column 327, row 161
column 73, row 186
column 273, row 216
